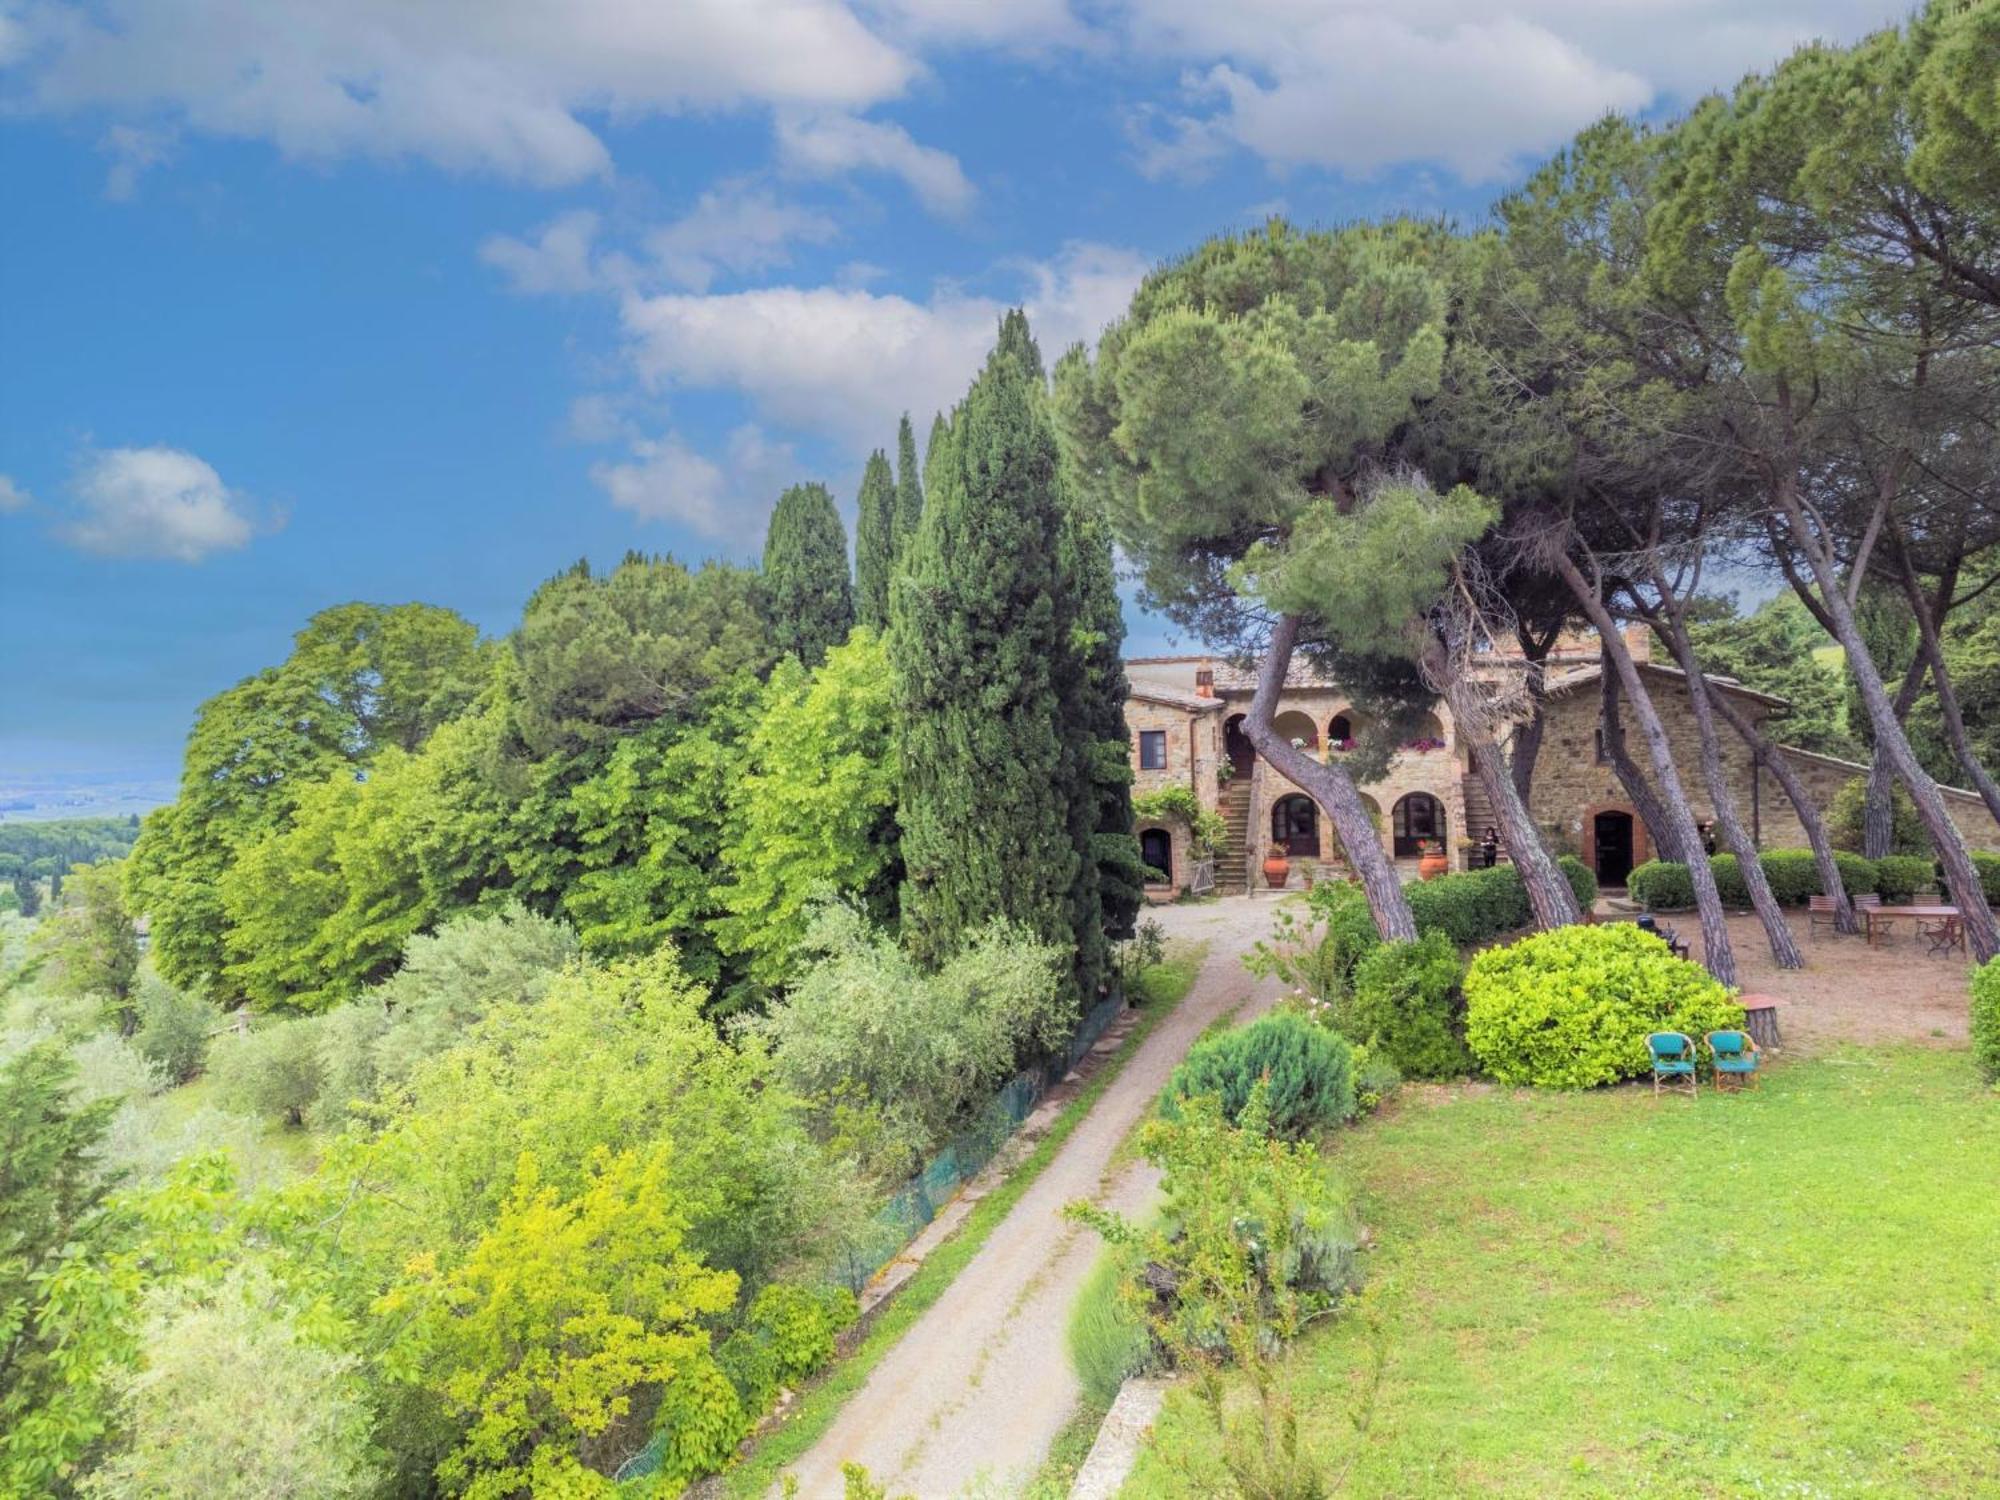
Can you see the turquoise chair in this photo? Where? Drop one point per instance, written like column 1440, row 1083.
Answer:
column 1673, row 1061
column 1735, row 1056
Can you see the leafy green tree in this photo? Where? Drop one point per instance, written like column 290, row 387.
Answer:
column 323, row 907
column 391, row 674
column 1773, row 649
column 599, row 658
column 874, row 542
column 74, row 1262
column 976, row 647
column 815, row 811
column 361, row 678
column 562, row 1312
column 242, row 1392
column 865, row 1026
column 89, row 940
column 806, row 584
column 647, row 831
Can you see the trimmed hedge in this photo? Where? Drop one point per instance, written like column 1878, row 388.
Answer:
column 1572, row 1008
column 1900, row 876
column 1309, row 1068
column 1470, row 907
column 1663, row 885
column 1986, row 1020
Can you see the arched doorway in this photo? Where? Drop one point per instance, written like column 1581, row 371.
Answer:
column 1295, row 826
column 1340, row 732
column 1236, row 745
column 1417, row 819
column 1156, row 849
column 1611, row 832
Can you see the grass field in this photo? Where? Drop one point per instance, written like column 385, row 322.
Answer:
column 1793, row 1292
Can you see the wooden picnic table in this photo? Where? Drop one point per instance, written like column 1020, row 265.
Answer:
column 1882, row 918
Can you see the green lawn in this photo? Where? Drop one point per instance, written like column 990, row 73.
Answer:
column 1795, row 1292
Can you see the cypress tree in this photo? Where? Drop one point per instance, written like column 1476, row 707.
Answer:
column 806, row 583
column 940, row 435
column 976, row 644
column 909, row 484
column 1095, row 717
column 875, row 541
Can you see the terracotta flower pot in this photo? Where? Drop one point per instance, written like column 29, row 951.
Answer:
column 1277, row 870
column 1430, row 866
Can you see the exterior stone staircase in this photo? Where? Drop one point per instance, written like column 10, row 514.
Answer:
column 1232, row 870
column 1478, row 818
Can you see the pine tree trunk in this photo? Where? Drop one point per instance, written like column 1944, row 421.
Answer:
column 1931, row 649
column 1717, row 955
column 1772, row 755
column 1878, row 809
column 1331, row 787
column 1548, row 888
column 1528, row 739
column 1982, row 935
column 1652, row 812
column 1735, row 837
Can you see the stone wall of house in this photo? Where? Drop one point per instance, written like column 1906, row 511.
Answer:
column 1572, row 784
column 1193, row 749
column 1440, row 773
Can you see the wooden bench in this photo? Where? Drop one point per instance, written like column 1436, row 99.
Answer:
column 1760, row 1019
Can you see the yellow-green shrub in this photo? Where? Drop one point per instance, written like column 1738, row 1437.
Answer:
column 1571, row 1008
column 1986, row 1019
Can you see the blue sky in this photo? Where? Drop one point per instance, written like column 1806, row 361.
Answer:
column 304, row 301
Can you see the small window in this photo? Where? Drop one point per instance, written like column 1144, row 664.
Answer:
column 1152, row 749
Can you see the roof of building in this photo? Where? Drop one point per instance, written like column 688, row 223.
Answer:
column 1153, row 692
column 1581, row 676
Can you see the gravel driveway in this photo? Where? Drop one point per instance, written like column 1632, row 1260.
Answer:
column 979, row 1387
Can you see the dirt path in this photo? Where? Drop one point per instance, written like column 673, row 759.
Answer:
column 977, row 1390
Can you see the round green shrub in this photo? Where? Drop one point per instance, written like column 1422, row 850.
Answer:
column 1350, row 925
column 1405, row 1008
column 1571, row 1008
column 700, row 1421
column 800, row 1324
column 1660, row 885
column 1310, row 1070
column 1986, row 1019
column 1900, row 876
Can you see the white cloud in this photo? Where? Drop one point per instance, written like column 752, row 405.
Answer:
column 846, row 362
column 491, row 85
column 133, row 151
column 557, row 260
column 737, row 227
column 666, row 480
column 1360, row 85
column 832, row 144
column 12, row 496
column 155, row 502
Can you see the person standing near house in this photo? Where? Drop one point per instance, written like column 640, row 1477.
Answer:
column 1489, row 847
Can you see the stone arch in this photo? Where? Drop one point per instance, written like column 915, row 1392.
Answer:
column 1298, row 727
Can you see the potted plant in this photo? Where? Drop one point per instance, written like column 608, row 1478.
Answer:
column 1431, row 862
column 1308, row 872
column 1277, row 867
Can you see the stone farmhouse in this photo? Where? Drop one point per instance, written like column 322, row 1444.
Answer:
column 1185, row 714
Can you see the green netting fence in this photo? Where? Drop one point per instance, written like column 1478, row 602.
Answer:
column 917, row 1202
